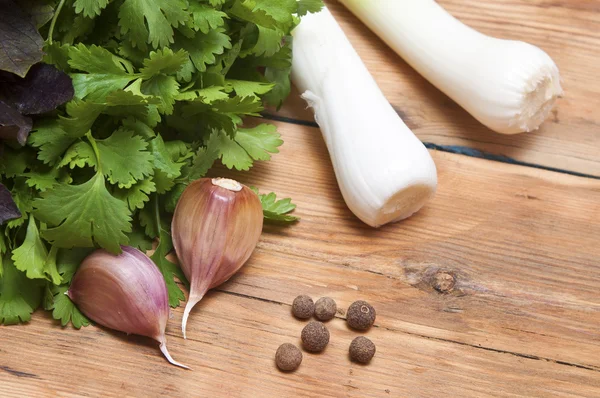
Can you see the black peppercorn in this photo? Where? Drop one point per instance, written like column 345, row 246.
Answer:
column 362, row 349
column 325, row 308
column 303, row 307
column 315, row 337
column 360, row 315
column 288, row 357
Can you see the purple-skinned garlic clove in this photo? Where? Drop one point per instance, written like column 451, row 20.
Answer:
column 124, row 292
column 216, row 226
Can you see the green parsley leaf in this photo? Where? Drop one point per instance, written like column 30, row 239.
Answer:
column 147, row 219
column 82, row 115
column 266, row 13
column 233, row 155
column 19, row 296
column 280, row 78
column 31, row 256
column 3, row 249
column 97, row 87
column 206, row 95
column 90, row 8
column 164, row 61
column 259, row 142
column 95, row 59
column 203, row 47
column 50, row 266
column 137, row 195
column 139, row 239
column 277, row 210
column 51, row 140
column 65, row 310
column 68, row 260
column 163, row 182
column 43, row 179
column 163, row 159
column 74, row 26
column 168, row 269
column 165, row 88
column 306, row 6
column 123, row 158
column 245, row 88
column 106, row 72
column 205, row 18
column 13, row 163
column 203, row 160
column 80, row 154
column 161, row 16
column 57, row 54
column 269, row 41
column 81, row 215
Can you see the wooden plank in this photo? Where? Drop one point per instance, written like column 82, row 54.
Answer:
column 231, row 349
column 519, row 243
column 522, row 317
column 568, row 30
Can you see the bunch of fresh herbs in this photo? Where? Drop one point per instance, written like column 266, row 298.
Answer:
column 155, row 92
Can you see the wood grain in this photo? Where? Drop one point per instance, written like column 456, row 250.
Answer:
column 568, row 30
column 491, row 290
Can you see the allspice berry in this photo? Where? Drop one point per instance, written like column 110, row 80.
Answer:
column 303, row 307
column 325, row 308
column 288, row 357
column 315, row 337
column 360, row 315
column 362, row 349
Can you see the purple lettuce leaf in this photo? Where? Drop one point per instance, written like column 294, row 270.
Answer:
column 42, row 90
column 13, row 126
column 20, row 43
column 8, row 208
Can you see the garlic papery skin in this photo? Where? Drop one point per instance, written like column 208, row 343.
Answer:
column 124, row 292
column 384, row 172
column 216, row 226
column 509, row 86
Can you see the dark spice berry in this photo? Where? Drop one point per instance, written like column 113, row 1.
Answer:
column 303, row 307
column 360, row 315
column 315, row 336
column 288, row 357
column 362, row 349
column 325, row 308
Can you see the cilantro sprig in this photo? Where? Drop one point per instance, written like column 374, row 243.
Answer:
column 161, row 92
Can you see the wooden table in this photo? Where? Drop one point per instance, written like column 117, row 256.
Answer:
column 493, row 289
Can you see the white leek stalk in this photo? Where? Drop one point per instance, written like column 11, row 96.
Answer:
column 509, row 86
column 384, row 172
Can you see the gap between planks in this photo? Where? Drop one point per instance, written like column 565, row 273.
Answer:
column 459, row 150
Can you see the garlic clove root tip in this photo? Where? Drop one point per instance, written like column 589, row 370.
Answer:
column 186, row 314
column 163, row 349
column 192, row 301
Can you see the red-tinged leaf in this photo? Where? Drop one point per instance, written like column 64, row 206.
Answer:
column 20, row 43
column 42, row 90
column 8, row 208
column 13, row 126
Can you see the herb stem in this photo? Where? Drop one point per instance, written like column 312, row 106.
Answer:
column 54, row 18
column 157, row 215
column 95, row 148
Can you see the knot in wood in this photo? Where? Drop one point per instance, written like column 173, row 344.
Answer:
column 443, row 281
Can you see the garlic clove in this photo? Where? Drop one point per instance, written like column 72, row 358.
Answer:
column 216, row 226
column 124, row 292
